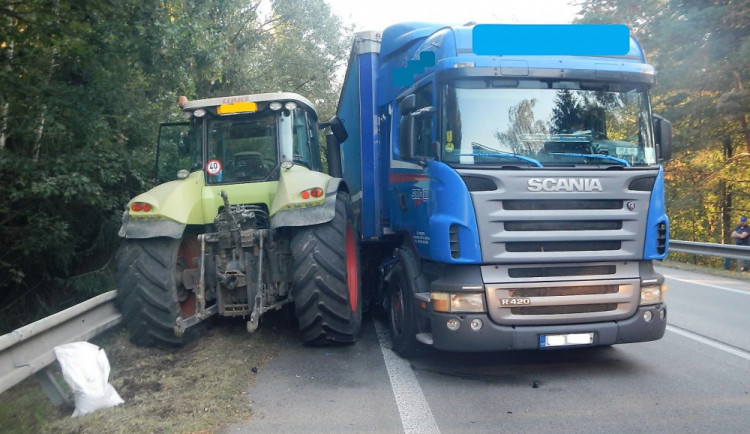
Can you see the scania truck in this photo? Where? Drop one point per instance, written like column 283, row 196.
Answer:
column 504, row 201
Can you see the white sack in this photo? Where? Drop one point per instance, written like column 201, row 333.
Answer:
column 86, row 370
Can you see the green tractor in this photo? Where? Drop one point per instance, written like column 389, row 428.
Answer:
column 251, row 223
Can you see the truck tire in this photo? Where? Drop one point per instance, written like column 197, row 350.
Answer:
column 404, row 282
column 326, row 286
column 150, row 292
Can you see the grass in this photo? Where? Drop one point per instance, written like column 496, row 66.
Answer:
column 198, row 388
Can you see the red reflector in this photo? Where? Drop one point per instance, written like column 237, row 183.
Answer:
column 305, row 195
column 316, row 192
column 140, row 206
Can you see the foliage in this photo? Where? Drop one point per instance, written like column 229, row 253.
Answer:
column 85, row 84
column 701, row 50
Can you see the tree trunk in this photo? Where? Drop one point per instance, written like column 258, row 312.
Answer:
column 726, row 191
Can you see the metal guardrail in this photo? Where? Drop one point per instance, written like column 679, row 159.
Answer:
column 30, row 349
column 710, row 249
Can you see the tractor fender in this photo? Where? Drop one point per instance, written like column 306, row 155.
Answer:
column 172, row 206
column 298, row 217
column 149, row 228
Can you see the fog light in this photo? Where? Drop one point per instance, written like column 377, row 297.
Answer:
column 453, row 324
column 662, row 314
column 476, row 324
column 647, row 316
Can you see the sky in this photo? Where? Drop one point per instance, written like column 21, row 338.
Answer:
column 378, row 14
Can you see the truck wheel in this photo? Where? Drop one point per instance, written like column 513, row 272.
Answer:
column 402, row 320
column 326, row 285
column 150, row 292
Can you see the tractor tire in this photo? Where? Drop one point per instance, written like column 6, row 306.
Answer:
column 150, row 294
column 405, row 281
column 326, row 286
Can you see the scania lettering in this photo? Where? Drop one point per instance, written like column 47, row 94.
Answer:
column 564, row 184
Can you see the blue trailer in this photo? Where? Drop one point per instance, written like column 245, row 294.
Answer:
column 504, row 201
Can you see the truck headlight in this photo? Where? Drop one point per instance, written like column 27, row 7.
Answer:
column 652, row 294
column 457, row 303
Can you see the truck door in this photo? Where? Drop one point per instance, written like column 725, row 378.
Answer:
column 413, row 139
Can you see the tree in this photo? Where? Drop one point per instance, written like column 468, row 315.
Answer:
column 701, row 50
column 565, row 113
column 83, row 87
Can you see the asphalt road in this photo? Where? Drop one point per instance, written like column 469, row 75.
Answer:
column 695, row 379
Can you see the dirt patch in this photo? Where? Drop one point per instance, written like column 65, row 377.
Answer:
column 200, row 387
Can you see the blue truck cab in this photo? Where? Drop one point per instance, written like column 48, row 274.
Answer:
column 505, row 201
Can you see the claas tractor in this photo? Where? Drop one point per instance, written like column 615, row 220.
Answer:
column 249, row 223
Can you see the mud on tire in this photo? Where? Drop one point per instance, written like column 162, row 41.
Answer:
column 326, row 286
column 150, row 295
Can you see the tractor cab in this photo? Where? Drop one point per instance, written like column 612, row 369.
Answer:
column 240, row 139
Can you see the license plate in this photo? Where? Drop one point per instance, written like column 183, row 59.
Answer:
column 566, row 340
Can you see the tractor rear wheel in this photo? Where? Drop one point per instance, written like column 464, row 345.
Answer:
column 326, row 285
column 150, row 292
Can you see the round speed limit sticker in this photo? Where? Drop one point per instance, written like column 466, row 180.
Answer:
column 213, row 167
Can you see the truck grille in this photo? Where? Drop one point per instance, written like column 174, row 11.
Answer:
column 561, row 257
column 562, row 302
column 562, row 246
column 564, row 310
column 518, row 224
column 555, row 205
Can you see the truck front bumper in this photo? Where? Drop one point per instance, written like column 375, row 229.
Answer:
column 494, row 337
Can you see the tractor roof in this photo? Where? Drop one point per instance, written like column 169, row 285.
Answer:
column 259, row 97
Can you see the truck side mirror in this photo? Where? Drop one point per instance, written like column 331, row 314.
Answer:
column 410, row 127
column 407, row 104
column 337, row 128
column 333, row 155
column 406, row 135
column 663, row 137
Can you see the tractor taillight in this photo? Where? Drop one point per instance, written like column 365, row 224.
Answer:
column 313, row 192
column 140, row 207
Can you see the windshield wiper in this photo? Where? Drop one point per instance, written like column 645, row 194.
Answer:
column 501, row 154
column 594, row 156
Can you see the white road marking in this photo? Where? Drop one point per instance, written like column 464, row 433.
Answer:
column 710, row 342
column 738, row 291
column 416, row 416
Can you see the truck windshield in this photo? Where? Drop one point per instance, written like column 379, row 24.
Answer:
column 530, row 123
column 242, row 148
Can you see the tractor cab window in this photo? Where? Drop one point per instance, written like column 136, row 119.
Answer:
column 305, row 136
column 178, row 150
column 242, row 148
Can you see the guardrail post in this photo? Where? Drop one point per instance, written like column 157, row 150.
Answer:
column 52, row 387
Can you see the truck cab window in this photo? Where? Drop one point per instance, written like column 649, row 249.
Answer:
column 423, row 124
column 562, row 123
